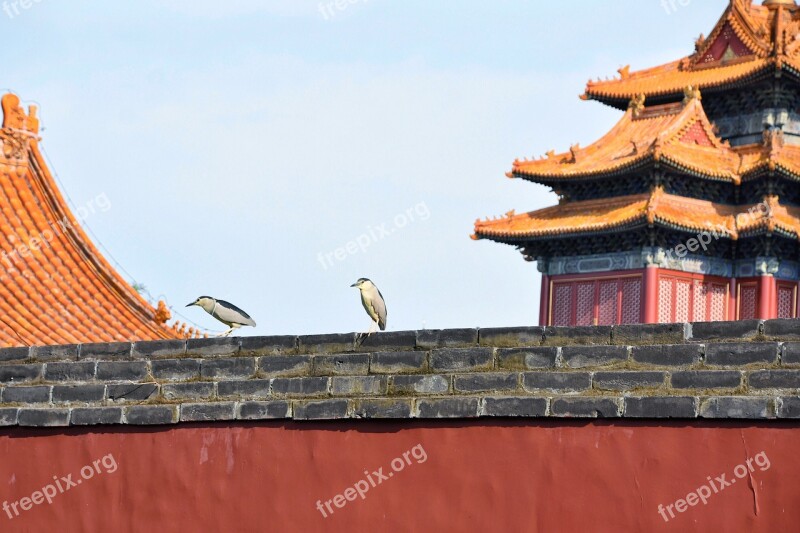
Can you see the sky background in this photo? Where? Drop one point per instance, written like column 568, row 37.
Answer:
column 239, row 142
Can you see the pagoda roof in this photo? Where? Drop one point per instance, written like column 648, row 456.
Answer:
column 772, row 156
column 771, row 218
column 747, row 42
column 657, row 208
column 678, row 135
column 55, row 287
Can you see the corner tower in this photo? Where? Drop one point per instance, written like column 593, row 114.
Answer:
column 689, row 208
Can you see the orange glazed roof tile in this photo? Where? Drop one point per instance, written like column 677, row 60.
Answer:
column 742, row 45
column 676, row 134
column 570, row 217
column 573, row 219
column 771, row 217
column 55, row 287
column 772, row 155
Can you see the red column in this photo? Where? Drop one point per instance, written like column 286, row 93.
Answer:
column 767, row 304
column 651, row 295
column 733, row 309
column 544, row 300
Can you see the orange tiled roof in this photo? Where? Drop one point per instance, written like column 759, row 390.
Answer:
column 656, row 208
column 677, row 134
column 55, row 287
column 570, row 217
column 771, row 217
column 741, row 45
column 773, row 155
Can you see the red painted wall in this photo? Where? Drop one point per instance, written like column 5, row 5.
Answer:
column 477, row 476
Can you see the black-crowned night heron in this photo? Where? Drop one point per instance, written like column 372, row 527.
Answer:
column 225, row 312
column 373, row 302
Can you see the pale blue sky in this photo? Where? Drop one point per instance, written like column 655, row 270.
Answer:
column 238, row 140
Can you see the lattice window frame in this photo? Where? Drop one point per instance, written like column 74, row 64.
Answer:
column 692, row 298
column 747, row 301
column 786, row 300
column 612, row 295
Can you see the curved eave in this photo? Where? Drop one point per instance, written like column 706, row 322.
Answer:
column 675, row 226
column 762, row 230
column 646, row 161
column 548, row 178
column 556, row 235
column 621, row 98
column 778, row 169
column 697, row 172
column 638, row 223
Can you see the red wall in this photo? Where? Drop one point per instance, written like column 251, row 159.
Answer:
column 503, row 476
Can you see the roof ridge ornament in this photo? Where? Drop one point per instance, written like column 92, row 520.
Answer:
column 652, row 203
column 773, row 140
column 636, row 105
column 15, row 118
column 691, row 93
column 699, row 42
column 574, row 150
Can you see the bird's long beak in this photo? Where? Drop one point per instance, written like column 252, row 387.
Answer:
column 191, row 304
column 354, row 285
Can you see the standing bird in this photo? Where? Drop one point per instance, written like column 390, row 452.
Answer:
column 225, row 312
column 373, row 302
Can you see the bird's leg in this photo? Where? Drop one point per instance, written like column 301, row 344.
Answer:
column 364, row 336
column 231, row 330
column 361, row 337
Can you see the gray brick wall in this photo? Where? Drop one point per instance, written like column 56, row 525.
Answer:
column 740, row 370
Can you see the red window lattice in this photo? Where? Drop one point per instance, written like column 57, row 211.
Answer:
column 584, row 313
column 562, row 304
column 602, row 302
column 665, row 300
column 748, row 294
column 691, row 300
column 719, row 294
column 607, row 306
column 787, row 306
column 683, row 295
column 631, row 312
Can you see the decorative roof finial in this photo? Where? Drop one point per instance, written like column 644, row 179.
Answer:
column 14, row 116
column 636, row 105
column 698, row 44
column 573, row 150
column 691, row 93
column 162, row 312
